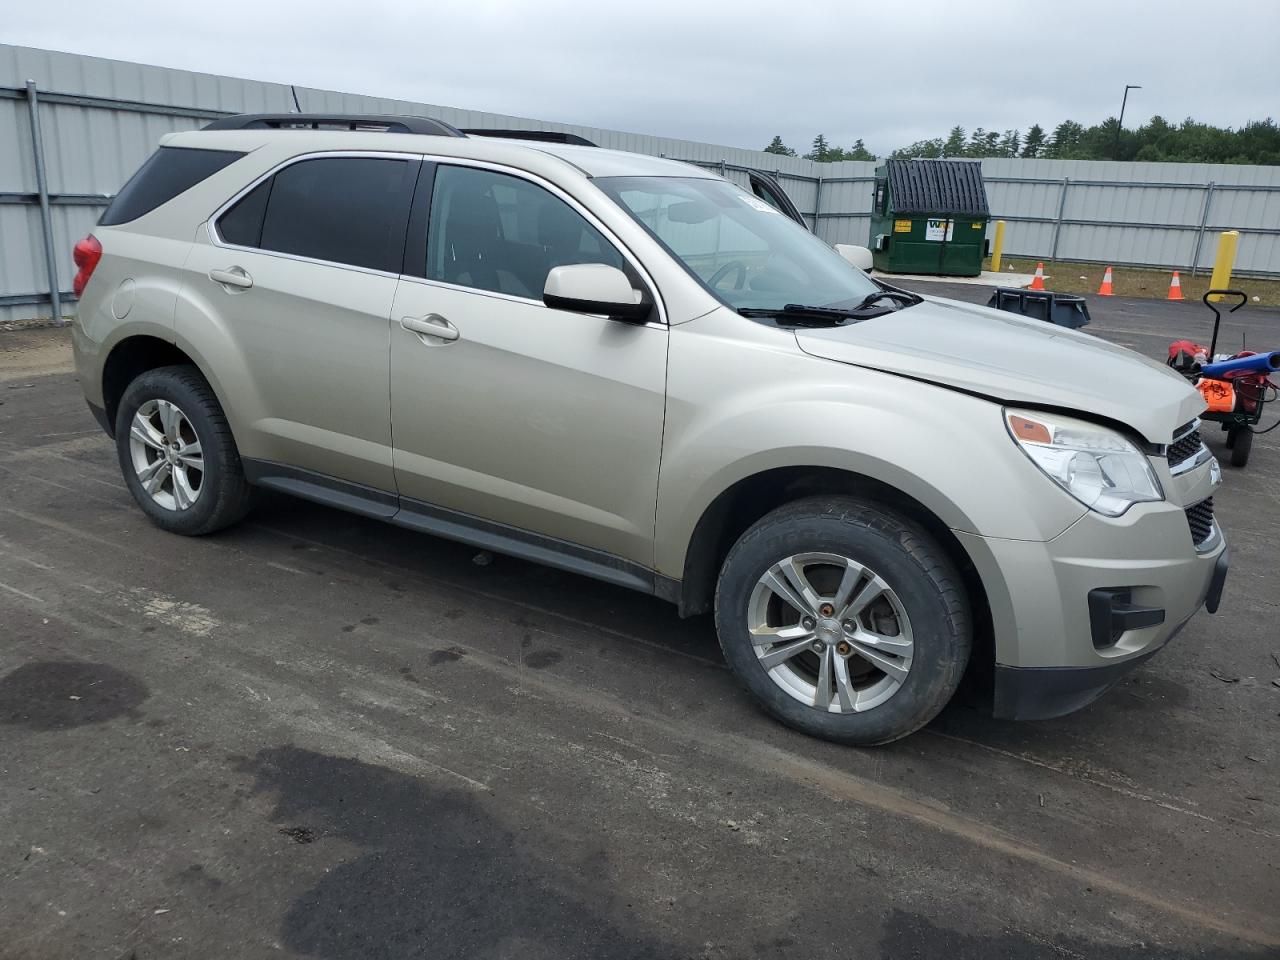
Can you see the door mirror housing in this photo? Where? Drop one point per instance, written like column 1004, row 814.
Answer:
column 860, row 257
column 595, row 288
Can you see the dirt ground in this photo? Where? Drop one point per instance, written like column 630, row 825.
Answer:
column 315, row 735
column 1143, row 283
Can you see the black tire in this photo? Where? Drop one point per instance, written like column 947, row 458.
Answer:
column 1231, row 436
column 906, row 558
column 225, row 496
column 1241, row 445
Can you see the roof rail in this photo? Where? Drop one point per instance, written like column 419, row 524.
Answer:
column 542, row 136
column 372, row 123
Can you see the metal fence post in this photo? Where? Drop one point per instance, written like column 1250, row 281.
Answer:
column 724, row 167
column 817, row 205
column 1204, row 219
column 1057, row 225
column 42, row 186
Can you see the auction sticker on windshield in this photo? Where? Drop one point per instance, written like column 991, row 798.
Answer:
column 757, row 203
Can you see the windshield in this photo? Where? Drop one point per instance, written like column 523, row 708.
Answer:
column 741, row 248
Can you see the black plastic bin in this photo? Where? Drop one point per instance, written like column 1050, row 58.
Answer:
column 1063, row 309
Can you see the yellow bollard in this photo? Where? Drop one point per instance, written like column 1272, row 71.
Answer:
column 997, row 246
column 1224, row 261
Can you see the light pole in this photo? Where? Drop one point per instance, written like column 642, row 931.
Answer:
column 1120, row 122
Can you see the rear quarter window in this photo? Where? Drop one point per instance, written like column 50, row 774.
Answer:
column 168, row 172
column 242, row 224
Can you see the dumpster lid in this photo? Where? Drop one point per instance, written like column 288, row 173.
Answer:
column 938, row 186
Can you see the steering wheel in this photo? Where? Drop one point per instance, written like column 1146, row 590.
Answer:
column 732, row 266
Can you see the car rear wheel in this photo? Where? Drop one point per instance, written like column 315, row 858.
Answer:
column 845, row 620
column 177, row 454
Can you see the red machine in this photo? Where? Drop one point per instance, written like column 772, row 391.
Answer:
column 1235, row 390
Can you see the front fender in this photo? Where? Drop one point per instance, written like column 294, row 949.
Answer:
column 743, row 404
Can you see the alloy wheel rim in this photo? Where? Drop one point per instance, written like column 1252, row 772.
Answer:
column 830, row 632
column 166, row 455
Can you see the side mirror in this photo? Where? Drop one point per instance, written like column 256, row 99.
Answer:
column 860, row 257
column 594, row 288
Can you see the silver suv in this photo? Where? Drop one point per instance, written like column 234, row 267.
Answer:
column 638, row 371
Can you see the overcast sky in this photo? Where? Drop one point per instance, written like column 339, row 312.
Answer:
column 890, row 73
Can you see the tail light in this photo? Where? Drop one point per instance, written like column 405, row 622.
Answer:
column 86, row 254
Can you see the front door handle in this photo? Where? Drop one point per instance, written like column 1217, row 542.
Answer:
column 232, row 277
column 432, row 325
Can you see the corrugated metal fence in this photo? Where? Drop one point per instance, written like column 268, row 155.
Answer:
column 93, row 121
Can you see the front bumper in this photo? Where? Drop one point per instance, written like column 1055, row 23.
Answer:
column 1072, row 615
column 1040, row 693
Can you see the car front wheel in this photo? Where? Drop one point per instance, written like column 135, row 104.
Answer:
column 845, row 620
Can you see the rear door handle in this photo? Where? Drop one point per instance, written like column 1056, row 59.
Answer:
column 232, row 277
column 432, row 325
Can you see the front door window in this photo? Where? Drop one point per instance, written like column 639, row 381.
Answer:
column 500, row 233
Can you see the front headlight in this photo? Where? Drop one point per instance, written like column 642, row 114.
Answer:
column 1101, row 468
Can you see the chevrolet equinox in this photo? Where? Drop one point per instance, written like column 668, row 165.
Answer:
column 640, row 371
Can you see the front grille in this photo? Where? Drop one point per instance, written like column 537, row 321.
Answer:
column 1185, row 447
column 1200, row 520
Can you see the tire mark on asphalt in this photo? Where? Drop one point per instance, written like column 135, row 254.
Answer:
column 21, row 593
column 57, row 448
column 78, row 491
column 1114, row 788
column 27, row 561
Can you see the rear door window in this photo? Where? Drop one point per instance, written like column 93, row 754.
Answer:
column 168, row 172
column 349, row 210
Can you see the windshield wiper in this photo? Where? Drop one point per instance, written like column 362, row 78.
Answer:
column 888, row 294
column 800, row 313
column 803, row 313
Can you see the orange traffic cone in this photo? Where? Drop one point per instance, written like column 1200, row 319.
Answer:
column 1037, row 282
column 1175, row 287
column 1105, row 289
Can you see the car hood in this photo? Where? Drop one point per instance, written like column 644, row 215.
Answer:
column 1013, row 359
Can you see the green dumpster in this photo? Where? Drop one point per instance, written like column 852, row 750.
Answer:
column 929, row 216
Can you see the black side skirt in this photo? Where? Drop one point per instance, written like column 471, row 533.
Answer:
column 453, row 525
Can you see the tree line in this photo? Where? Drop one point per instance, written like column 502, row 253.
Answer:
column 1190, row 141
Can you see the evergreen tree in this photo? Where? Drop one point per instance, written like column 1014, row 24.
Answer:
column 1034, row 144
column 821, row 151
column 955, row 143
column 858, row 151
column 777, row 146
column 1010, row 143
column 1066, row 140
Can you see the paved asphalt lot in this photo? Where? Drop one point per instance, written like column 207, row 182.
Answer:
column 316, row 735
